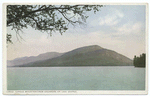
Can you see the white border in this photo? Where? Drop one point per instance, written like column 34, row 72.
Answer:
column 69, row 91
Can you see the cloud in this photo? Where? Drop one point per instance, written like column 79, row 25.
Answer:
column 112, row 17
column 129, row 28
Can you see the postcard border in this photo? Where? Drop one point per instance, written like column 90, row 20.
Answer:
column 68, row 92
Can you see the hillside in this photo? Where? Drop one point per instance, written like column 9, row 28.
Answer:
column 85, row 56
column 26, row 60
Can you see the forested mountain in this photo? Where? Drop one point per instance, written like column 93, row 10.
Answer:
column 85, row 56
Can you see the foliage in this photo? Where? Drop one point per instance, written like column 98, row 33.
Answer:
column 9, row 38
column 47, row 18
column 140, row 61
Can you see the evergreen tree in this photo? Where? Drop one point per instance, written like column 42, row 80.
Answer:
column 140, row 61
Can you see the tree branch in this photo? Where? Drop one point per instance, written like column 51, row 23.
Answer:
column 67, row 18
column 38, row 10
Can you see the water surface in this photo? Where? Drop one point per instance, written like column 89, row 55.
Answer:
column 76, row 78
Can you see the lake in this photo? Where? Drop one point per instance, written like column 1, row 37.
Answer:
column 75, row 78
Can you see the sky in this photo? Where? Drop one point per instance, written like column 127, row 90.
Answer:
column 121, row 28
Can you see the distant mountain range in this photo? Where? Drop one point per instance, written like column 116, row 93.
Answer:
column 85, row 56
column 26, row 60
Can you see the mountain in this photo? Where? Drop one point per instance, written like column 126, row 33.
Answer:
column 26, row 60
column 85, row 56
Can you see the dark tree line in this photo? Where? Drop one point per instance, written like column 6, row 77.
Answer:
column 140, row 61
column 46, row 18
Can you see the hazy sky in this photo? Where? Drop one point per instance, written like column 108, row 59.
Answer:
column 119, row 28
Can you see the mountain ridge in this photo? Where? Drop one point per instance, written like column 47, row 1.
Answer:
column 92, row 55
column 26, row 59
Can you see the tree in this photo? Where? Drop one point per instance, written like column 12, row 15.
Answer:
column 46, row 18
column 140, row 61
column 135, row 61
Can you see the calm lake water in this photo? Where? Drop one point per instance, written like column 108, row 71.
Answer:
column 76, row 78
